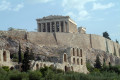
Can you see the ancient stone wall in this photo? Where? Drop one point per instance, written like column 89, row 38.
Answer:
column 13, row 34
column 85, row 41
column 109, row 46
column 98, row 42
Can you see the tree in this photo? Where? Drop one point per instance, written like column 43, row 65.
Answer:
column 26, row 62
column 117, row 41
column 19, row 54
column 31, row 55
column 106, row 35
column 10, row 29
column 98, row 63
column 104, row 64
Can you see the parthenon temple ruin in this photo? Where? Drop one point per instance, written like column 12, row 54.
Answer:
column 56, row 24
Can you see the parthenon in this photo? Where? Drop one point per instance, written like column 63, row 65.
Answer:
column 56, row 24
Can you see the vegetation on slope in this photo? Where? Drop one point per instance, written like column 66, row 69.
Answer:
column 50, row 73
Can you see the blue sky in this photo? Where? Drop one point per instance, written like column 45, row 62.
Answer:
column 96, row 15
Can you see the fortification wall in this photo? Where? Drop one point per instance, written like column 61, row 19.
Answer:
column 98, row 42
column 83, row 41
column 116, row 47
column 60, row 39
column 42, row 38
column 109, row 46
column 13, row 34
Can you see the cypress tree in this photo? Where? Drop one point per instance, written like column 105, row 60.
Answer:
column 26, row 62
column 31, row 55
column 19, row 54
column 98, row 63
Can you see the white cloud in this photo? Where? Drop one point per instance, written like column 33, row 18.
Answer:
column 83, row 15
column 38, row 1
column 18, row 7
column 5, row 5
column 75, row 4
column 76, row 8
column 98, row 6
column 71, row 14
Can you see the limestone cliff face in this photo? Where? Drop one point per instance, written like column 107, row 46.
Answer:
column 104, row 57
column 51, row 44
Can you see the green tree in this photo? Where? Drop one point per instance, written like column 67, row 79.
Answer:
column 117, row 41
column 104, row 64
column 106, row 35
column 26, row 62
column 97, row 63
column 19, row 54
column 31, row 55
column 10, row 28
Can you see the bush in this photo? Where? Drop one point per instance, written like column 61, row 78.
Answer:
column 3, row 74
column 6, row 68
column 106, row 73
column 15, row 77
column 35, row 75
column 89, row 67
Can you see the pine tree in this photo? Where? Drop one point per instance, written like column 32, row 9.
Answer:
column 106, row 35
column 26, row 62
column 19, row 54
column 117, row 41
column 98, row 63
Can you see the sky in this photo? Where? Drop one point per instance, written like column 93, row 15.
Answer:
column 97, row 16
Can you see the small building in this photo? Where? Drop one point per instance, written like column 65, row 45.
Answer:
column 82, row 30
column 54, row 23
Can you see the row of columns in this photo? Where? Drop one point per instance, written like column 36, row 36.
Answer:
column 57, row 26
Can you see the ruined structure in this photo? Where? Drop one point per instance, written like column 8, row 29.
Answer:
column 5, row 58
column 73, row 59
column 57, row 24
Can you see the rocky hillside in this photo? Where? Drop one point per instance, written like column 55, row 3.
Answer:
column 10, row 40
column 104, row 57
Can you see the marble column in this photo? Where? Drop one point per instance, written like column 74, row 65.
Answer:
column 55, row 26
column 59, row 26
column 38, row 29
column 50, row 26
column 67, row 27
column 64, row 26
column 46, row 27
column 41, row 27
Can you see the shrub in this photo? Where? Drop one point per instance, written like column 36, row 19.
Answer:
column 6, row 68
column 3, row 74
column 35, row 75
column 15, row 77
